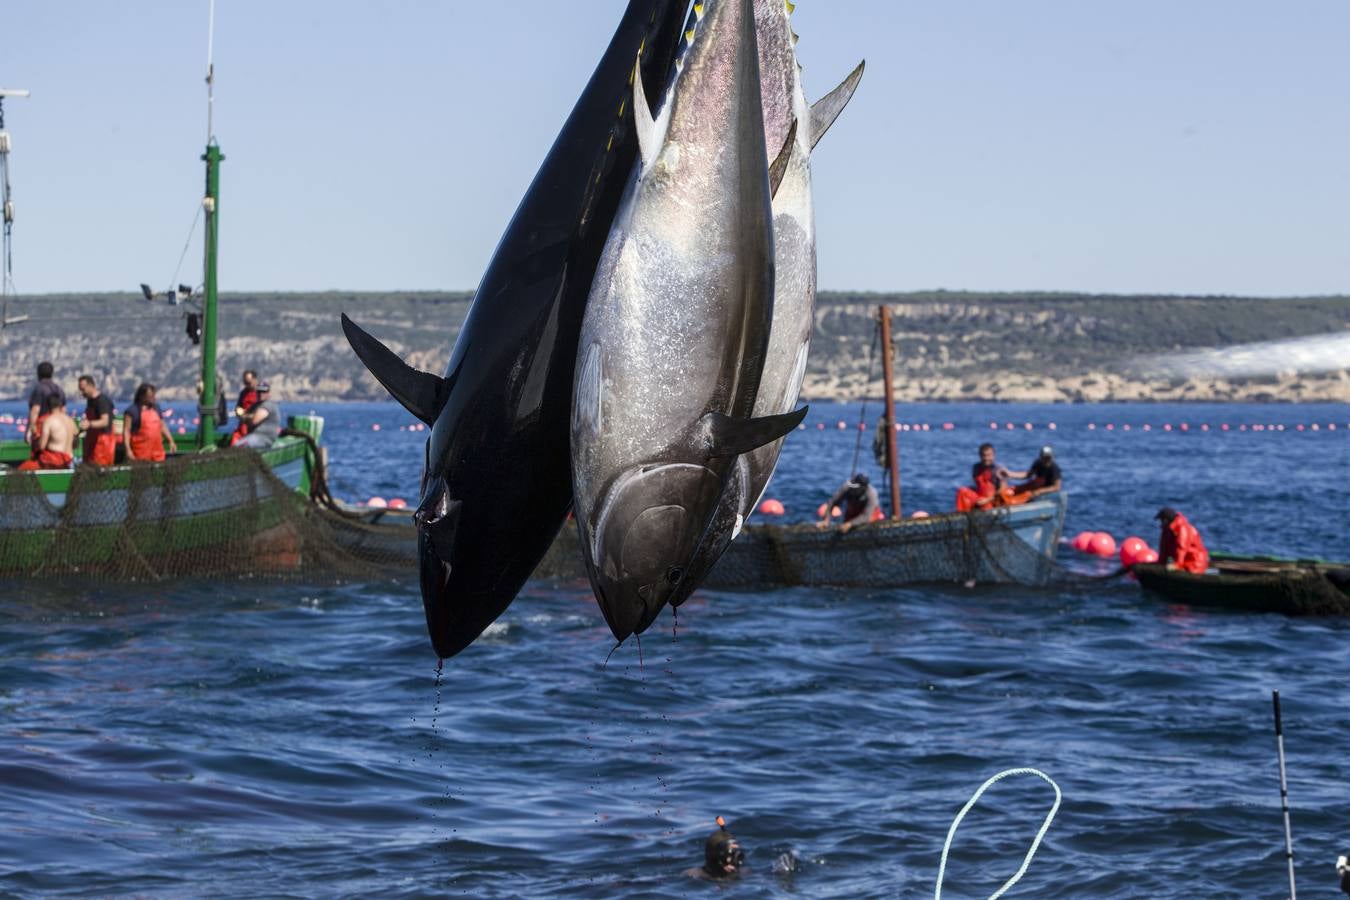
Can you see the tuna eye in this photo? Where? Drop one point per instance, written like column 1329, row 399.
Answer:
column 675, row 575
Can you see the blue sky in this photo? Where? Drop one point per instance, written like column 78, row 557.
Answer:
column 1194, row 146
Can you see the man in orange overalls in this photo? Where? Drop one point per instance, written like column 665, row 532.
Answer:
column 988, row 480
column 100, row 441
column 1179, row 545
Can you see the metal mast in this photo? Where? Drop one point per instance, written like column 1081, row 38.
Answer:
column 7, row 278
column 207, row 403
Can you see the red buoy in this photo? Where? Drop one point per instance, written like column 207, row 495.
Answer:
column 398, row 503
column 1082, row 541
column 1103, row 544
column 1130, row 548
column 1147, row 556
column 772, row 507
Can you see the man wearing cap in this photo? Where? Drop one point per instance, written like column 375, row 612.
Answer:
column 1044, row 477
column 264, row 421
column 1179, row 545
column 859, row 502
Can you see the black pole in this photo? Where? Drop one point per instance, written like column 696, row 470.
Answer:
column 1284, row 795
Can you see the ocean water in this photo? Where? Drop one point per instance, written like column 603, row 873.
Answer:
column 252, row 739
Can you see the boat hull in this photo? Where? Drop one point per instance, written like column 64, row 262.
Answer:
column 1011, row 545
column 1272, row 586
column 194, row 514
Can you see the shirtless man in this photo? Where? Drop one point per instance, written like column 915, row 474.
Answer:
column 54, row 445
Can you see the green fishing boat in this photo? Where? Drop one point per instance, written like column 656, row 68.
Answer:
column 203, row 511
column 1293, row 587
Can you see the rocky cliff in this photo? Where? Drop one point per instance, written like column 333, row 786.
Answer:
column 948, row 345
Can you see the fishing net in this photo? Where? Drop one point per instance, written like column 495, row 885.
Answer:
column 200, row 515
column 1007, row 546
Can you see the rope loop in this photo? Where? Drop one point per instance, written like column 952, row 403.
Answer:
column 1035, row 845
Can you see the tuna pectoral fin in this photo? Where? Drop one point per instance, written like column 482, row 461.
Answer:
column 648, row 142
column 732, row 437
column 779, row 167
column 421, row 393
column 825, row 110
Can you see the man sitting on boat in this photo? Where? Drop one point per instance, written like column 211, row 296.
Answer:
column 54, row 445
column 144, row 430
column 1043, row 474
column 264, row 421
column 988, row 479
column 248, row 398
column 100, row 443
column 859, row 502
column 42, row 392
column 1180, row 546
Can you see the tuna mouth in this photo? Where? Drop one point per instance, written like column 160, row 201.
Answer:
column 645, row 539
column 437, row 521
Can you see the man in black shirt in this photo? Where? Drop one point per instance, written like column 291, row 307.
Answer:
column 100, row 443
column 38, row 399
column 1044, row 476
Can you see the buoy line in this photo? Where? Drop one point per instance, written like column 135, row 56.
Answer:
column 1035, row 845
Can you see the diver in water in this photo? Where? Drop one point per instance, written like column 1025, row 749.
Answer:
column 722, row 855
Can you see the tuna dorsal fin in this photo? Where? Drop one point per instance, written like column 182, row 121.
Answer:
column 642, row 118
column 779, row 167
column 421, row 393
column 730, row 437
column 825, row 110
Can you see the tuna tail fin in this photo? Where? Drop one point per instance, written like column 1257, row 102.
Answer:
column 421, row 393
column 729, row 436
column 825, row 110
column 779, row 167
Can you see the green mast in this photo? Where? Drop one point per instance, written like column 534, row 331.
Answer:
column 206, row 406
column 207, row 402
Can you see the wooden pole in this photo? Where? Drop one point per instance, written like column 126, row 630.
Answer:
column 893, row 450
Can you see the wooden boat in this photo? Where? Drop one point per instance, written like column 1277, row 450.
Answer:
column 1009, row 545
column 1294, row 587
column 1005, row 545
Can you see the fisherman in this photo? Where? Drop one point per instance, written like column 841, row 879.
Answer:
column 144, row 430
column 264, row 421
column 54, row 445
column 722, row 856
column 45, row 388
column 860, row 503
column 1044, row 477
column 100, row 443
column 989, row 483
column 881, row 447
column 1179, row 545
column 248, row 398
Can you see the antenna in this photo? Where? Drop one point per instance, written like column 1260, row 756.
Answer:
column 210, row 69
column 7, row 211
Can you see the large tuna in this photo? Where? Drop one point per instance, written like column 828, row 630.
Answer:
column 497, row 482
column 672, row 348
column 794, row 235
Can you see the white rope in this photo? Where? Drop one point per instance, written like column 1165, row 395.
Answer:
column 1026, row 863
